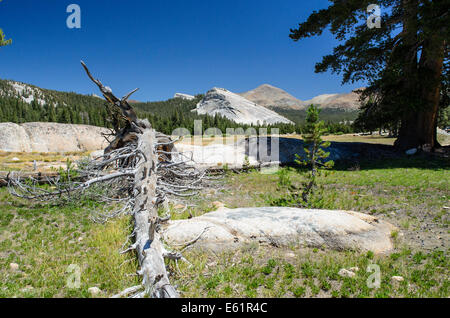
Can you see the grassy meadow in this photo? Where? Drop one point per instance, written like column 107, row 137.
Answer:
column 412, row 193
column 45, row 161
column 45, row 239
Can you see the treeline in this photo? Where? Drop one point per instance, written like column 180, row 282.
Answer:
column 50, row 106
column 17, row 111
column 332, row 115
column 165, row 116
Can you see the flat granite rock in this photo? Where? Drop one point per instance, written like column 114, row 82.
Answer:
column 281, row 226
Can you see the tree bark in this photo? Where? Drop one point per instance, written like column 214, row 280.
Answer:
column 422, row 84
column 148, row 244
column 418, row 128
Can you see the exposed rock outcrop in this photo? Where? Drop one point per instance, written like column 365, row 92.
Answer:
column 27, row 93
column 281, row 226
column 235, row 107
column 50, row 137
column 184, row 96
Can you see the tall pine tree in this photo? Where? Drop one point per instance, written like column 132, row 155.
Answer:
column 404, row 60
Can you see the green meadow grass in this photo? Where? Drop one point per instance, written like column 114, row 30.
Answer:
column 44, row 239
column 407, row 192
column 269, row 272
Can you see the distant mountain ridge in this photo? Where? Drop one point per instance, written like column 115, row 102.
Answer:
column 21, row 102
column 274, row 97
column 25, row 103
column 347, row 101
column 270, row 96
column 26, row 92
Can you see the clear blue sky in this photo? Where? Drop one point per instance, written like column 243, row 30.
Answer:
column 164, row 47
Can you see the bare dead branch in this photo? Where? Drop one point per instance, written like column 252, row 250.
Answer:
column 125, row 98
column 126, row 109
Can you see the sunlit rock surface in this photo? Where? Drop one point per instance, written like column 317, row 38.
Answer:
column 50, row 137
column 235, row 107
column 281, row 226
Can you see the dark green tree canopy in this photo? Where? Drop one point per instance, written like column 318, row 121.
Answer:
column 366, row 51
column 404, row 61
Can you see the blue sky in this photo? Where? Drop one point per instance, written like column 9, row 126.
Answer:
column 164, row 47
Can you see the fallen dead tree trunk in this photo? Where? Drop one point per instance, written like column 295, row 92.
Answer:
column 147, row 241
column 144, row 193
column 137, row 170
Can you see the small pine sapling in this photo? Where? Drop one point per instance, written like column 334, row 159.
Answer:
column 314, row 150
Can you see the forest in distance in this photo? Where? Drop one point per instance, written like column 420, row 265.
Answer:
column 165, row 116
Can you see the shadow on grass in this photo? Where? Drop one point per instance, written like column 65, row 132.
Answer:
column 420, row 161
column 387, row 160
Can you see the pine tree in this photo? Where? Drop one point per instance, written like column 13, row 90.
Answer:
column 315, row 153
column 404, row 69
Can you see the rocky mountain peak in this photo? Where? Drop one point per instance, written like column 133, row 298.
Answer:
column 274, row 97
column 237, row 108
column 271, row 96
